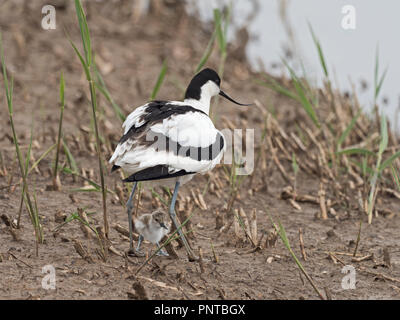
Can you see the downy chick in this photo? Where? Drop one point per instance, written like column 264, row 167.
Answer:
column 151, row 227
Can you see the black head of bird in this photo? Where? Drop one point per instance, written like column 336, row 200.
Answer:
column 205, row 85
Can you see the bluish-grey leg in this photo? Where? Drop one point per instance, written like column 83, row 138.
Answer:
column 162, row 252
column 129, row 207
column 139, row 243
column 173, row 217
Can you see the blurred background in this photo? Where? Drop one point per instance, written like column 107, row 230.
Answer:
column 267, row 31
column 279, row 28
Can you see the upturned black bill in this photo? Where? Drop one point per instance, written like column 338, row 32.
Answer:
column 223, row 94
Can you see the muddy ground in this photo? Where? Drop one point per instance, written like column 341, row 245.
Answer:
column 130, row 54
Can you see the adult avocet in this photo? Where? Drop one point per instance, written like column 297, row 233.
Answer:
column 168, row 142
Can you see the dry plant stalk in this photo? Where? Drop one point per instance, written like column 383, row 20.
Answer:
column 184, row 215
column 236, row 225
column 253, row 226
column 288, row 193
column 201, row 200
column 115, row 251
column 82, row 251
column 120, row 194
column 104, row 244
column 84, row 227
column 219, row 220
column 11, row 228
column 215, row 256
column 271, row 240
column 244, row 226
column 322, row 201
column 302, row 249
column 170, row 249
column 277, row 162
column 245, row 221
column 196, row 200
column 123, row 231
column 386, row 257
column 294, row 204
column 365, row 258
column 201, row 262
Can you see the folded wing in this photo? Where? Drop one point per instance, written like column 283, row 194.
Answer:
column 168, row 138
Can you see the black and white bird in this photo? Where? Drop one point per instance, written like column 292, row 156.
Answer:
column 168, row 142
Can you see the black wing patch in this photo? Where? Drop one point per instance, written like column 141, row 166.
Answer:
column 155, row 112
column 155, row 173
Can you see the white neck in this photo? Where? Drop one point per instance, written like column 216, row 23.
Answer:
column 208, row 90
column 202, row 104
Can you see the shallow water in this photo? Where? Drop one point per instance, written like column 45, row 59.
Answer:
column 350, row 53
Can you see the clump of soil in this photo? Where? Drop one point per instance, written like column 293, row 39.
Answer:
column 130, row 50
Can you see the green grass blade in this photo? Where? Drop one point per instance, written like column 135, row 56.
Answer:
column 388, row 162
column 62, row 105
column 379, row 87
column 376, row 73
column 84, row 65
column 28, row 153
column 220, row 33
column 70, row 158
column 320, row 52
column 94, row 184
column 25, row 174
column 100, row 84
column 160, row 80
column 353, row 151
column 5, row 78
column 302, row 95
column 384, row 135
column 282, row 234
column 274, row 85
column 363, row 167
column 396, row 176
column 71, row 217
column 382, row 147
column 157, row 195
column 44, row 155
column 85, row 34
column 207, row 52
column 306, row 104
column 295, row 165
column 347, row 131
column 9, row 87
column 226, row 24
column 62, row 89
column 378, row 82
